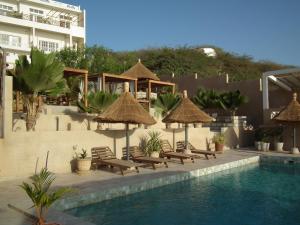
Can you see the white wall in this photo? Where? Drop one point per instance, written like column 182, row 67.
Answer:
column 21, row 150
column 22, row 32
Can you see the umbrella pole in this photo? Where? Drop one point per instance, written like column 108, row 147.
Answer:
column 186, row 136
column 127, row 141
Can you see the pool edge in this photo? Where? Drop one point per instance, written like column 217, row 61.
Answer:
column 95, row 197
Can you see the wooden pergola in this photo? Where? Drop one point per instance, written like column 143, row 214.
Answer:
column 146, row 80
column 103, row 78
column 149, row 85
column 79, row 72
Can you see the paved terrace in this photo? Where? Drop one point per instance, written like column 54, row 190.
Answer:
column 101, row 181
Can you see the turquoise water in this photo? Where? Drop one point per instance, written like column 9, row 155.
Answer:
column 251, row 195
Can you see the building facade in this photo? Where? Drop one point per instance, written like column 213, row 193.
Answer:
column 45, row 24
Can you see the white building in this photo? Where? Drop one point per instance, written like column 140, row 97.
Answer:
column 46, row 24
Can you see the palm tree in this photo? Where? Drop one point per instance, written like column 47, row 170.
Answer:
column 40, row 194
column 232, row 100
column 98, row 101
column 207, row 99
column 165, row 102
column 44, row 75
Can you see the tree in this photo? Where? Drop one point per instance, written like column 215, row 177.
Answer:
column 207, row 99
column 44, row 75
column 98, row 101
column 165, row 102
column 232, row 100
column 74, row 58
column 40, row 194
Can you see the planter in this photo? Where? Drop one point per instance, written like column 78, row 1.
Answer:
column 84, row 164
column 219, row 147
column 278, row 146
column 295, row 151
column 265, row 146
column 258, row 145
column 155, row 154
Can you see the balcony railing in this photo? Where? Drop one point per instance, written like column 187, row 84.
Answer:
column 39, row 19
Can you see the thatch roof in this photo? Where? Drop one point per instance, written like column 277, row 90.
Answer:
column 139, row 71
column 187, row 112
column 291, row 113
column 126, row 109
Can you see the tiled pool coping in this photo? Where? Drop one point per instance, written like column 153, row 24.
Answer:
column 98, row 196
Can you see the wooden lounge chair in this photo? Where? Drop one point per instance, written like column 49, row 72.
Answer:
column 104, row 156
column 138, row 156
column 168, row 152
column 181, row 147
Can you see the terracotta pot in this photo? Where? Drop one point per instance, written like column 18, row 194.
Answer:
column 84, row 164
column 219, row 147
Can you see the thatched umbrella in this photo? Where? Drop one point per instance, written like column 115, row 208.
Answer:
column 291, row 115
column 126, row 109
column 187, row 112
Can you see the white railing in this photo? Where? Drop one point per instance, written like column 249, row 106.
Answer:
column 40, row 19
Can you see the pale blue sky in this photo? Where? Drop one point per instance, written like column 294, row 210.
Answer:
column 264, row 29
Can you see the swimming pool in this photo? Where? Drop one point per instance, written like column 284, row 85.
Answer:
column 253, row 194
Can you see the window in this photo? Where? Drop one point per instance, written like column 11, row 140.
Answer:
column 36, row 15
column 10, row 40
column 65, row 21
column 48, row 46
column 36, row 11
column 4, row 9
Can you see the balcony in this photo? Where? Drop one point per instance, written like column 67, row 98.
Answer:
column 39, row 19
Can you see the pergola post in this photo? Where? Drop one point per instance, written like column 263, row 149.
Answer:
column 85, row 89
column 265, row 85
column 135, row 89
column 173, row 89
column 149, row 94
column 103, row 82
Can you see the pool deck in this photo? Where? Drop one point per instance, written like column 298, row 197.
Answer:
column 101, row 181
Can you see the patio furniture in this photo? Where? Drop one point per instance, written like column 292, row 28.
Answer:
column 180, row 145
column 168, row 152
column 186, row 112
column 138, row 156
column 104, row 156
column 126, row 109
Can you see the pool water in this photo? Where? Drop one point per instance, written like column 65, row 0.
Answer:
column 250, row 195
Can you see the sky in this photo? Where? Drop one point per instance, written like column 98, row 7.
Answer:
column 263, row 29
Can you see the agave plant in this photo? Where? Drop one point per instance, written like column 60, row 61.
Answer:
column 98, row 101
column 43, row 75
column 207, row 99
column 232, row 100
column 165, row 102
column 152, row 142
column 40, row 194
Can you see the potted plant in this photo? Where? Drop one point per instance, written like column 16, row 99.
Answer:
column 278, row 144
column 265, row 145
column 40, row 194
column 83, row 162
column 219, row 141
column 258, row 135
column 151, row 144
column 278, row 138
